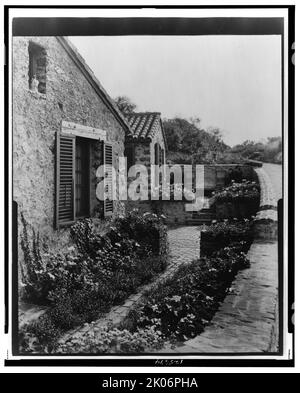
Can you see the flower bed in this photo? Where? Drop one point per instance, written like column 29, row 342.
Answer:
column 181, row 307
column 239, row 200
column 173, row 311
column 106, row 340
column 99, row 271
column 227, row 232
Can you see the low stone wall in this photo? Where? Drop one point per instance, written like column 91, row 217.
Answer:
column 215, row 176
column 237, row 209
column 174, row 211
column 266, row 221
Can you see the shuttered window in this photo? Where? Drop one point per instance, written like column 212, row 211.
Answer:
column 108, row 180
column 82, row 178
column 65, row 174
column 73, row 180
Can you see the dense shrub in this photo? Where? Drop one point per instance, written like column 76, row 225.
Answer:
column 147, row 229
column 223, row 233
column 99, row 271
column 105, row 340
column 39, row 336
column 246, row 191
column 36, row 281
column 125, row 254
column 95, row 340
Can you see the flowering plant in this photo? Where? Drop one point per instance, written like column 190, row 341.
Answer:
column 244, row 191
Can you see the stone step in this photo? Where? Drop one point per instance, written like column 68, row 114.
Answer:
column 202, row 217
column 205, row 210
column 198, row 221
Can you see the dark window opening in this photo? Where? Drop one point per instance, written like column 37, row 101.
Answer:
column 156, row 154
column 82, row 178
column 37, row 68
column 129, row 153
column 162, row 156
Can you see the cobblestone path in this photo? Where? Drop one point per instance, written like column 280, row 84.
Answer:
column 184, row 243
column 274, row 172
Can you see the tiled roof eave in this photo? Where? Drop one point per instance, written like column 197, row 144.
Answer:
column 144, row 124
column 135, row 138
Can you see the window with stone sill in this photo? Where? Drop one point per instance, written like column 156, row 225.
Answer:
column 37, row 68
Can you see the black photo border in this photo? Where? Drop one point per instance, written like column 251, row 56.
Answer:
column 153, row 26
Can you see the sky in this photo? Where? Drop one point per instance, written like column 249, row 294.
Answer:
column 229, row 82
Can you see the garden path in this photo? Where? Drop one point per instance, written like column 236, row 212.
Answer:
column 274, row 172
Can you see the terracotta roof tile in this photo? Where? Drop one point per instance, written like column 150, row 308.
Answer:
column 144, row 125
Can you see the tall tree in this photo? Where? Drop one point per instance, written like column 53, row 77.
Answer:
column 125, row 104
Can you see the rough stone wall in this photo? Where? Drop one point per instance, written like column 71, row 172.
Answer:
column 158, row 138
column 215, row 175
column 36, row 119
column 144, row 150
column 174, row 211
column 142, row 153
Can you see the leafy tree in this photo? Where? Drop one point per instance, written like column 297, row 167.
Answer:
column 189, row 143
column 269, row 151
column 125, row 104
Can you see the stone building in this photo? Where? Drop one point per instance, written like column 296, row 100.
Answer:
column 147, row 144
column 64, row 126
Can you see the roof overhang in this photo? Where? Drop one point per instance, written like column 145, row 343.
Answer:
column 94, row 82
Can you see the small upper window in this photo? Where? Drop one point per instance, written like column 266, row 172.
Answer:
column 156, row 154
column 37, row 68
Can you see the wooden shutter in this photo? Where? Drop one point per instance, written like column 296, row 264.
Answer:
column 108, row 179
column 65, row 176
